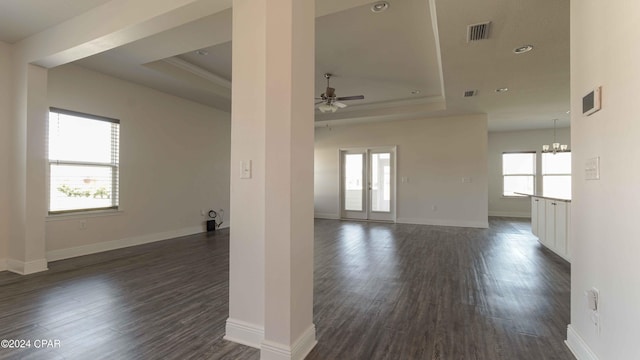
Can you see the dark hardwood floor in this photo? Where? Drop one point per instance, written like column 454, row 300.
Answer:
column 382, row 291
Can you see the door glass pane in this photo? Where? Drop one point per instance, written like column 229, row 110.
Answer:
column 381, row 182
column 353, row 171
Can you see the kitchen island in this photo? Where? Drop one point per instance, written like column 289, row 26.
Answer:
column 550, row 220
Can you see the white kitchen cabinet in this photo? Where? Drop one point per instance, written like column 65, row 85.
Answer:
column 534, row 215
column 561, row 226
column 550, row 223
column 542, row 215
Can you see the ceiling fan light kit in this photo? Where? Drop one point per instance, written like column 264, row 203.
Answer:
column 327, row 107
column 329, row 101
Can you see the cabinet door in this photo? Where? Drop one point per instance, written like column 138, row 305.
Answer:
column 534, row 215
column 550, row 222
column 542, row 218
column 561, row 228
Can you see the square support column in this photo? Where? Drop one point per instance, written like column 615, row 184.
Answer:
column 271, row 242
column 26, row 247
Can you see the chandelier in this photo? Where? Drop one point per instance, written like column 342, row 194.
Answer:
column 555, row 147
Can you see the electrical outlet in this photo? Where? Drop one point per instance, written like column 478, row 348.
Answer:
column 592, row 298
column 82, row 225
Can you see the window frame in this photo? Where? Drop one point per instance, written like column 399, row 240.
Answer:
column 113, row 165
column 533, row 175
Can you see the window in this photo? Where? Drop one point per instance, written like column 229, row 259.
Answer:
column 518, row 173
column 556, row 175
column 83, row 162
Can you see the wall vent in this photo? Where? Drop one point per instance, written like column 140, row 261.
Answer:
column 470, row 93
column 477, row 32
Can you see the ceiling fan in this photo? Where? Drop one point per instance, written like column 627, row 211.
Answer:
column 329, row 100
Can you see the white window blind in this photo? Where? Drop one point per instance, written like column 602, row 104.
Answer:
column 83, row 161
column 518, row 173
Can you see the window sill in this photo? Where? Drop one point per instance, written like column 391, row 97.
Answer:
column 83, row 215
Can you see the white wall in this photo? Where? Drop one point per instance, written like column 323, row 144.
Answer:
column 5, row 148
column 435, row 154
column 174, row 161
column 500, row 142
column 604, row 224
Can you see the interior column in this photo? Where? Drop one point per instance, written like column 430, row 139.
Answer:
column 271, row 242
column 26, row 247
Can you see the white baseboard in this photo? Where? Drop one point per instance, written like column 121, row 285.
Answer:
column 26, row 268
column 3, row 265
column 298, row 351
column 440, row 222
column 515, row 214
column 244, row 333
column 578, row 347
column 327, row 216
column 82, row 250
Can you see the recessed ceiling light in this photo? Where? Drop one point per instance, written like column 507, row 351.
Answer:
column 380, row 6
column 500, row 90
column 202, row 52
column 523, row 49
column 415, row 92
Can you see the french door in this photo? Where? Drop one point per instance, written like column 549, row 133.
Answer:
column 367, row 183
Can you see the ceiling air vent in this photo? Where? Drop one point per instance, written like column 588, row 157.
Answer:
column 470, row 93
column 477, row 32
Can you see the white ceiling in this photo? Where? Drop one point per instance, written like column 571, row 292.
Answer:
column 22, row 18
column 383, row 56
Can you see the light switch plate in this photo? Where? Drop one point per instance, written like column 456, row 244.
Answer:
column 245, row 169
column 592, row 168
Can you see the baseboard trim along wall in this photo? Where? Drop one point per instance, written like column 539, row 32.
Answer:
column 327, row 216
column 88, row 249
column 26, row 268
column 441, row 222
column 510, row 214
column 298, row 351
column 578, row 347
column 244, row 333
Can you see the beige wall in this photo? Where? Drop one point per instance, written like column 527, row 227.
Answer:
column 500, row 142
column 5, row 147
column 605, row 237
column 174, row 158
column 434, row 154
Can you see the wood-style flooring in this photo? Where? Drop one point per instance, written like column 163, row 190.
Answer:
column 382, row 291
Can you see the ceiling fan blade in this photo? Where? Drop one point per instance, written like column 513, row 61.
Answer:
column 355, row 97
column 319, row 102
column 339, row 104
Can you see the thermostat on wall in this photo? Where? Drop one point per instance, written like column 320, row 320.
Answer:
column 591, row 102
